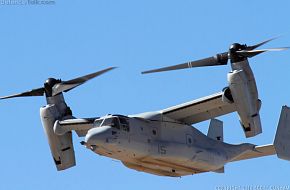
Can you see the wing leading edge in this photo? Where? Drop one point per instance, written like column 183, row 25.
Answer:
column 199, row 110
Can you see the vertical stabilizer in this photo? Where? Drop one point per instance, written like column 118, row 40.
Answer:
column 215, row 130
column 282, row 138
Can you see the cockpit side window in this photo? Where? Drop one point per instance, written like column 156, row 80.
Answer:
column 115, row 123
column 124, row 124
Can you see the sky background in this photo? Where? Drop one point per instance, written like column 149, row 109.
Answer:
column 74, row 38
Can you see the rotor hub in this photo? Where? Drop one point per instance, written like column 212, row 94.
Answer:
column 237, row 47
column 234, row 57
column 48, row 84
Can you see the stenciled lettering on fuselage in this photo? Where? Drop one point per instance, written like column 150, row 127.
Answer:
column 161, row 149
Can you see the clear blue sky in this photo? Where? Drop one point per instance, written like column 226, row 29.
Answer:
column 72, row 38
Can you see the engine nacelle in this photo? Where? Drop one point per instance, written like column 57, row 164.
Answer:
column 61, row 146
column 245, row 96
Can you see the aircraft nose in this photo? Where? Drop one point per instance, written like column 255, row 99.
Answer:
column 97, row 135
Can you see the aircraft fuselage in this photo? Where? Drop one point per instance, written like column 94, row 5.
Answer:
column 159, row 145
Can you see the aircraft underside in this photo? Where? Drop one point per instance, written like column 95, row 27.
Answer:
column 157, row 165
column 152, row 166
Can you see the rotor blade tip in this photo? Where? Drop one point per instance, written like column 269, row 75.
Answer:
column 144, row 72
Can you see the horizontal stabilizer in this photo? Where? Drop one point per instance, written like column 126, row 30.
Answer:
column 259, row 151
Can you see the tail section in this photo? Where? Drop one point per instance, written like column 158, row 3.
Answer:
column 281, row 145
column 282, row 138
column 256, row 152
column 215, row 130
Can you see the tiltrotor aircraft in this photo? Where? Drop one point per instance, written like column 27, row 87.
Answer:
column 164, row 142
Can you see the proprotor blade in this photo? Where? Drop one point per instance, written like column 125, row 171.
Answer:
column 34, row 92
column 260, row 44
column 66, row 86
column 53, row 87
column 219, row 59
column 252, row 53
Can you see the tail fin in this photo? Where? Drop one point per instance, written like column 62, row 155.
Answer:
column 282, row 138
column 215, row 130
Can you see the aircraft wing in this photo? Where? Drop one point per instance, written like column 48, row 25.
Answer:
column 200, row 110
column 80, row 126
column 259, row 151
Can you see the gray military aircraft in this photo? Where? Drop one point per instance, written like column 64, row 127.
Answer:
column 164, row 142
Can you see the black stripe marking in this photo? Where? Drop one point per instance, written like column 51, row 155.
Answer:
column 64, row 149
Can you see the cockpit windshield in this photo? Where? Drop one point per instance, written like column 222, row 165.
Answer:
column 98, row 122
column 111, row 121
column 115, row 122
